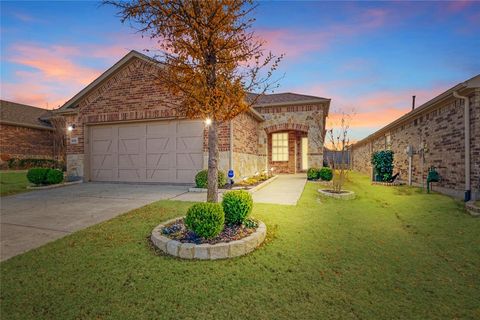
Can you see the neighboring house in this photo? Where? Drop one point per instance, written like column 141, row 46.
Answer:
column 125, row 128
column 435, row 132
column 25, row 132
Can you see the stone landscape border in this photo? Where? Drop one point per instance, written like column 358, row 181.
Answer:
column 251, row 190
column 53, row 186
column 223, row 250
column 387, row 184
column 347, row 195
column 472, row 208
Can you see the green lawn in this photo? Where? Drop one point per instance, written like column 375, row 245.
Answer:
column 12, row 182
column 391, row 253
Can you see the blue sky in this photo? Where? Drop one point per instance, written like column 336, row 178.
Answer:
column 370, row 57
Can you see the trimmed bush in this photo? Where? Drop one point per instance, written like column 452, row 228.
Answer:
column 382, row 162
column 312, row 173
column 201, row 179
column 325, row 174
column 54, row 176
column 205, row 219
column 237, row 205
column 37, row 176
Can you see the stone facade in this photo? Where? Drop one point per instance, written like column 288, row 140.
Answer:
column 24, row 142
column 440, row 130
column 299, row 121
column 132, row 93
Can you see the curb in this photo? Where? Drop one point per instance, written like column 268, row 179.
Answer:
column 53, row 186
column 349, row 195
column 222, row 250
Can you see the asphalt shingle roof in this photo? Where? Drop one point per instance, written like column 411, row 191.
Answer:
column 22, row 114
column 280, row 98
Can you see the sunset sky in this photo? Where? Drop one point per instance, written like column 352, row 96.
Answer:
column 370, row 56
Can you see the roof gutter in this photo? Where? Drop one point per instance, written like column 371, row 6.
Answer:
column 468, row 190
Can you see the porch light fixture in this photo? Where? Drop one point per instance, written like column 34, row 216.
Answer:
column 71, row 127
column 208, row 121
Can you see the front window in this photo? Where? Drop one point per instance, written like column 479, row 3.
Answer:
column 280, row 146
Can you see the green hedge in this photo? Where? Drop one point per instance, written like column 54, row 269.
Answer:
column 44, row 176
column 38, row 176
column 205, row 219
column 201, row 179
column 54, row 176
column 325, row 174
column 237, row 206
column 382, row 162
column 312, row 173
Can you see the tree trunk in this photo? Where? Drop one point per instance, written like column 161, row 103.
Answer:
column 212, row 192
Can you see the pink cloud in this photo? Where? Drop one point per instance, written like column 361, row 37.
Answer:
column 295, row 43
column 55, row 73
column 375, row 109
column 55, row 63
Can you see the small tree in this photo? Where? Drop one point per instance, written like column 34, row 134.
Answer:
column 211, row 59
column 339, row 144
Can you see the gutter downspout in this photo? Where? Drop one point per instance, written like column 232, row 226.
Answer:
column 468, row 190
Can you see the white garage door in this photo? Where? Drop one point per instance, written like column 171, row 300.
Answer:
column 163, row 151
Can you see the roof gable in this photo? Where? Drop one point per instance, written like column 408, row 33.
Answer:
column 72, row 103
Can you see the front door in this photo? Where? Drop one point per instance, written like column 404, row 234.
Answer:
column 304, row 153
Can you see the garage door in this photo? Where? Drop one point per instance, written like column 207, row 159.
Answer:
column 163, row 151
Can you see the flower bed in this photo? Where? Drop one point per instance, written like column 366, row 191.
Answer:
column 177, row 230
column 250, row 188
column 232, row 242
column 343, row 195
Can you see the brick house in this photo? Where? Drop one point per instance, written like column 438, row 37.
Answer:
column 435, row 132
column 25, row 132
column 123, row 127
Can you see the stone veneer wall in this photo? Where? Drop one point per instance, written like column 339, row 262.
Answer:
column 441, row 129
column 23, row 142
column 307, row 119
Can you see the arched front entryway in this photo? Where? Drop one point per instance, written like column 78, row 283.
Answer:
column 287, row 147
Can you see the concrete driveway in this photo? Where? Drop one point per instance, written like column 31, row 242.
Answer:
column 32, row 219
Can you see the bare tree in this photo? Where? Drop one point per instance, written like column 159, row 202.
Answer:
column 211, row 59
column 339, row 143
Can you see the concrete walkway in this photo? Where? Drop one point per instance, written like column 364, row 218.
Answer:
column 287, row 189
column 29, row 220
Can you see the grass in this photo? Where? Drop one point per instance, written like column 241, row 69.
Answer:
column 392, row 253
column 12, row 182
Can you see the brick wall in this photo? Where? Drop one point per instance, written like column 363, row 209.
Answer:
column 441, row 130
column 245, row 137
column 23, row 142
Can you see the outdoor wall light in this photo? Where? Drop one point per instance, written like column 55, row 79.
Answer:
column 208, row 121
column 71, row 127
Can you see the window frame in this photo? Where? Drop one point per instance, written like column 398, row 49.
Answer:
column 280, row 147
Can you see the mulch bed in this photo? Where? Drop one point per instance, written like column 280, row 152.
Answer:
column 178, row 231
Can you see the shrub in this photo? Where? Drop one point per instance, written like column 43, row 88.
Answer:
column 237, row 205
column 313, row 173
column 201, row 179
column 54, row 176
column 38, row 176
column 382, row 162
column 205, row 219
column 325, row 174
